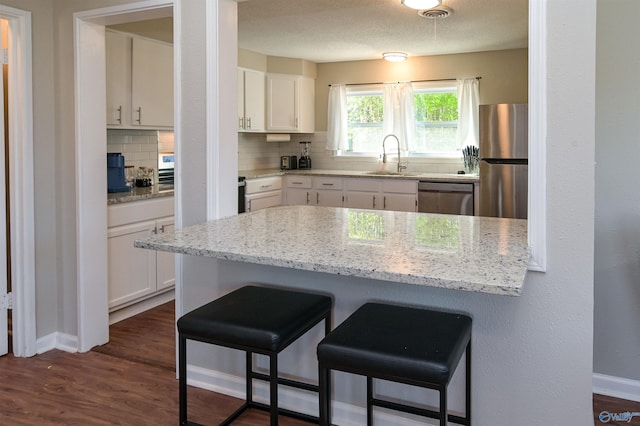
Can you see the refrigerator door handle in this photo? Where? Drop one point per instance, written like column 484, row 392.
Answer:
column 505, row 160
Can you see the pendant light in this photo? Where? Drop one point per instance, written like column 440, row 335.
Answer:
column 421, row 4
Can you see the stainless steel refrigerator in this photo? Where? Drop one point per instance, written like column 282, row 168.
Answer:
column 504, row 160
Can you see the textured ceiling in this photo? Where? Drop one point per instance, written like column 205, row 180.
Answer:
column 347, row 30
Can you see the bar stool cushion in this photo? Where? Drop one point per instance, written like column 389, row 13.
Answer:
column 258, row 317
column 398, row 343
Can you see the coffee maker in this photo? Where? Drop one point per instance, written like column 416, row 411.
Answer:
column 116, row 181
column 305, row 161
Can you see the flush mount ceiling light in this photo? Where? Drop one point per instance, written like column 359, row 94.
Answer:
column 394, row 56
column 421, row 4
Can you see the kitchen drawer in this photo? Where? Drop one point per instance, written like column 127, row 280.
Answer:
column 400, row 186
column 369, row 185
column 254, row 186
column 299, row 182
column 137, row 211
column 326, row 182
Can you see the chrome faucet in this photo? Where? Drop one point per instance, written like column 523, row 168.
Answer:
column 384, row 152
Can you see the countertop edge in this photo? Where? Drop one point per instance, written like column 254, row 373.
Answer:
column 444, row 177
column 425, row 281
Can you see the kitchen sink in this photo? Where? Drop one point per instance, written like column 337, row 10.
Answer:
column 385, row 173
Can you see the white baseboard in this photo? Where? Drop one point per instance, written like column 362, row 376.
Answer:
column 68, row 343
column 62, row 341
column 292, row 399
column 141, row 306
column 617, row 387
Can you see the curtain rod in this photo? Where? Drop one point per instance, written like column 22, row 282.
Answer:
column 412, row 81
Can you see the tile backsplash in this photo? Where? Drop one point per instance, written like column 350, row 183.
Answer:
column 255, row 153
column 140, row 147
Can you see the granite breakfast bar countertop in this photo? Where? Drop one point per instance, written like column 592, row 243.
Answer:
column 471, row 253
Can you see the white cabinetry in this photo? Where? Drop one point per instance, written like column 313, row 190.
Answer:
column 251, row 95
column 315, row 191
column 381, row 194
column 290, row 103
column 297, row 189
column 138, row 274
column 400, row 195
column 118, row 73
column 139, row 75
column 152, row 83
column 263, row 192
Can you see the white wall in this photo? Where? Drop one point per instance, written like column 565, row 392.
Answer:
column 533, row 354
column 617, row 214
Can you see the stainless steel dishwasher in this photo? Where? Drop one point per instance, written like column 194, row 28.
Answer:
column 445, row 198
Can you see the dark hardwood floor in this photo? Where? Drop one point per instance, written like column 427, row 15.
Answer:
column 131, row 381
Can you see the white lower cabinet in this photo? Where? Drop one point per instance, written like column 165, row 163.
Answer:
column 138, row 274
column 400, row 195
column 165, row 261
column 314, row 191
column 357, row 193
column 381, row 194
column 263, row 192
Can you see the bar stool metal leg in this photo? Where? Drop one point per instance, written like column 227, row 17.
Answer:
column 468, row 384
column 273, row 385
column 443, row 406
column 369, row 401
column 182, row 378
column 249, row 377
column 324, row 382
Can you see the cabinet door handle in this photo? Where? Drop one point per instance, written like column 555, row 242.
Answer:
column 266, row 186
column 249, row 123
column 139, row 111
column 384, row 203
column 296, row 183
column 307, row 197
column 119, row 119
column 249, row 206
column 327, row 184
column 374, row 201
column 162, row 229
column 241, row 123
column 317, row 198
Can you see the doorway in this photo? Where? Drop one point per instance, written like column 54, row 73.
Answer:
column 17, row 187
column 91, row 146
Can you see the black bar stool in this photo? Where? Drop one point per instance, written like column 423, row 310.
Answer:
column 258, row 320
column 408, row 345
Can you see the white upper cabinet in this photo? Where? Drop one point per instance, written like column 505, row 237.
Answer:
column 152, row 83
column 290, row 103
column 139, row 75
column 251, row 104
column 118, row 58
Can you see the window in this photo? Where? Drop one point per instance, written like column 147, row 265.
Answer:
column 436, row 117
column 364, row 122
column 437, row 123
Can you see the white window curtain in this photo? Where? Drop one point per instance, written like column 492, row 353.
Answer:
column 468, row 120
column 399, row 112
column 337, row 118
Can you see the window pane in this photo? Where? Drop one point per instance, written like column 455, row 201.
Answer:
column 436, row 122
column 364, row 112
